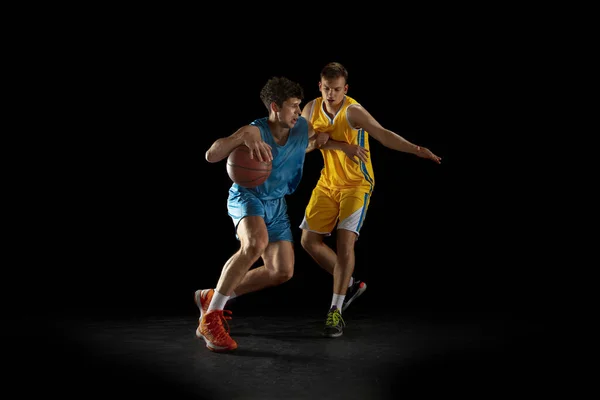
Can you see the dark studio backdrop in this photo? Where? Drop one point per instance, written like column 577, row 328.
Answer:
column 123, row 216
column 143, row 218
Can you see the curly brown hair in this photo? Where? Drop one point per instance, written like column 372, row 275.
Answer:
column 278, row 90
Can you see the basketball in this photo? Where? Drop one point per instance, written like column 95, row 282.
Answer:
column 245, row 171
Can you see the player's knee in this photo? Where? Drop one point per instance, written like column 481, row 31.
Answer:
column 308, row 243
column 254, row 247
column 283, row 274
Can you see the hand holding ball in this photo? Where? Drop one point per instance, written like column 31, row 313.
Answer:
column 245, row 171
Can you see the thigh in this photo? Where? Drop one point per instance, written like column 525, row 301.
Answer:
column 278, row 221
column 322, row 211
column 279, row 256
column 353, row 209
column 252, row 233
column 241, row 205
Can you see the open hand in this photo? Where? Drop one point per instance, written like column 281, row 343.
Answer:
column 426, row 153
column 259, row 149
column 354, row 150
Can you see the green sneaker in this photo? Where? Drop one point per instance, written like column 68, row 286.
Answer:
column 334, row 325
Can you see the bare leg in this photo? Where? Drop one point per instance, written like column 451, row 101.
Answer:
column 278, row 268
column 254, row 239
column 324, row 256
column 344, row 267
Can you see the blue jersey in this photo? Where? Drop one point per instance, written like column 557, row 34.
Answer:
column 288, row 161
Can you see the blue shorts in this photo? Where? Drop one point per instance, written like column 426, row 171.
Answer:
column 274, row 212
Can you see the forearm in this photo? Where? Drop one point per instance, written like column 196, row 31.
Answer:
column 312, row 144
column 334, row 145
column 222, row 147
column 329, row 145
column 396, row 142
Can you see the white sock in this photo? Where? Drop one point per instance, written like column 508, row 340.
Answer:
column 351, row 281
column 218, row 301
column 337, row 300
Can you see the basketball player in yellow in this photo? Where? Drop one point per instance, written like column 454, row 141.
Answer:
column 344, row 189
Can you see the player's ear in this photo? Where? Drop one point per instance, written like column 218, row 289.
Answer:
column 345, row 88
column 274, row 107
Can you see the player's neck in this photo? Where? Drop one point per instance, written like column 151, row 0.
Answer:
column 332, row 110
column 279, row 132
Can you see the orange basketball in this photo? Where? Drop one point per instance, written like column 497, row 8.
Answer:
column 245, row 171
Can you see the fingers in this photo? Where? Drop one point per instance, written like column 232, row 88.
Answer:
column 267, row 155
column 435, row 158
column 262, row 152
column 353, row 158
column 362, row 154
column 260, row 156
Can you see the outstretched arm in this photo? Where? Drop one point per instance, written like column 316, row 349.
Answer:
column 249, row 136
column 359, row 117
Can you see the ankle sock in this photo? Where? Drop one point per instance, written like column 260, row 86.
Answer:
column 218, row 301
column 338, row 301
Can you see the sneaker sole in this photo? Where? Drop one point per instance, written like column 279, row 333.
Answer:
column 333, row 335
column 197, row 295
column 212, row 347
column 359, row 292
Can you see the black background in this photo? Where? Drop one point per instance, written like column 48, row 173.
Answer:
column 118, row 214
column 134, row 218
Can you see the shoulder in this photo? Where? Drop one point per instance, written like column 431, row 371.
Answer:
column 308, row 106
column 247, row 128
column 352, row 106
column 355, row 115
column 302, row 123
column 351, row 101
column 259, row 122
column 355, row 109
column 252, row 127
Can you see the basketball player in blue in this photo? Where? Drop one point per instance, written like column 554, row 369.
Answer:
column 259, row 214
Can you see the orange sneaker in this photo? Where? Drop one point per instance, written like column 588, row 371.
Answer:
column 202, row 299
column 215, row 333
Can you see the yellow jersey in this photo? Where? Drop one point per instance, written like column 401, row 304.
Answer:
column 339, row 170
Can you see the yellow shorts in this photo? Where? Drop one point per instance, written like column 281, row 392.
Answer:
column 346, row 207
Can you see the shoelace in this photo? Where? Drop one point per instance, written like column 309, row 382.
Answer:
column 221, row 321
column 334, row 318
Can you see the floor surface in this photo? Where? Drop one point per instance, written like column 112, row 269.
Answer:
column 281, row 354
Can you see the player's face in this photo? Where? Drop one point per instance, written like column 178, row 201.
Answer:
column 333, row 90
column 289, row 112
